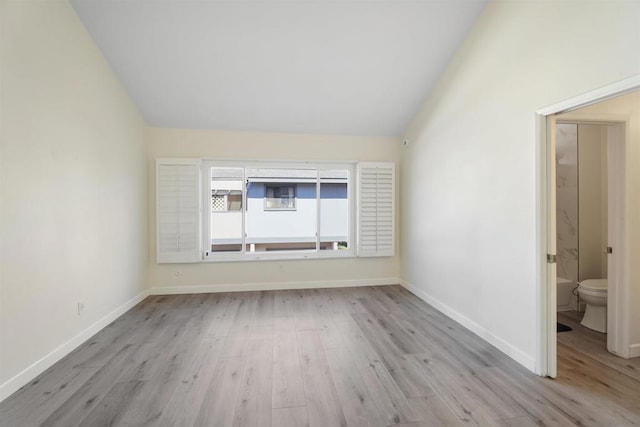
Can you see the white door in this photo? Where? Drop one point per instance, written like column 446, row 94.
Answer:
column 551, row 303
column 617, row 309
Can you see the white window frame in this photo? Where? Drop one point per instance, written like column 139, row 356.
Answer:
column 244, row 255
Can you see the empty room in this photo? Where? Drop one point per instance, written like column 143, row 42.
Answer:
column 319, row 213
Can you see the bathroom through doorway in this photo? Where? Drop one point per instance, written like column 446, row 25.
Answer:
column 590, row 204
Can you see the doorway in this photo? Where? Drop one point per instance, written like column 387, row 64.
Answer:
column 618, row 312
column 590, row 202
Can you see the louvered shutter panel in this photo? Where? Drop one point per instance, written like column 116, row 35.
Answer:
column 376, row 201
column 178, row 210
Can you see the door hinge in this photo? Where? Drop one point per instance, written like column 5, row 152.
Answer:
column 551, row 259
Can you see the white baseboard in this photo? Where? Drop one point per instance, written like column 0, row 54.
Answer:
column 242, row 287
column 634, row 350
column 13, row 384
column 516, row 354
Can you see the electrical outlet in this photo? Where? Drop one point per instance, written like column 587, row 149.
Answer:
column 80, row 307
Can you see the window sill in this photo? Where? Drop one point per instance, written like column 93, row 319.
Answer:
column 278, row 257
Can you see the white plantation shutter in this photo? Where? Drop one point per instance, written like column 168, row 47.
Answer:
column 376, row 201
column 177, row 210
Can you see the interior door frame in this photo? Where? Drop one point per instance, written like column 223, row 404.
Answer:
column 546, row 355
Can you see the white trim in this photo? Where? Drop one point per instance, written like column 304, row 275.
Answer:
column 593, row 119
column 306, row 254
column 546, row 340
column 515, row 353
column 244, row 287
column 634, row 350
column 542, row 312
column 551, row 248
column 592, row 97
column 31, row 372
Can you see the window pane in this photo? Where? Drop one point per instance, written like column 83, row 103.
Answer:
column 281, row 210
column 334, row 210
column 234, row 201
column 226, row 209
column 280, row 197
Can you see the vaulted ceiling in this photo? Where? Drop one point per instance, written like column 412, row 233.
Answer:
column 325, row 67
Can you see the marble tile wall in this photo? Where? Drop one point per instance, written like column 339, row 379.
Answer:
column 567, row 200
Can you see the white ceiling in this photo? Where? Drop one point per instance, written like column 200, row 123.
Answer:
column 326, row 67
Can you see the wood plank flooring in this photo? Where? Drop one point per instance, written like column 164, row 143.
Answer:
column 370, row 356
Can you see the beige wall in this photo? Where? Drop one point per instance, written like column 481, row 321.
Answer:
column 265, row 274
column 468, row 194
column 74, row 187
column 627, row 107
column 592, row 201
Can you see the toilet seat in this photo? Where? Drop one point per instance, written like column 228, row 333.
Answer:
column 594, row 286
column 593, row 292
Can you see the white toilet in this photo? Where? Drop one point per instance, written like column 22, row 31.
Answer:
column 594, row 293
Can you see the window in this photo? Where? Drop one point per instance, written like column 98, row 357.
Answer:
column 225, row 201
column 265, row 210
column 290, row 210
column 280, row 197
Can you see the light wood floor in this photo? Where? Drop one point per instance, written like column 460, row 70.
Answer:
column 583, row 359
column 375, row 356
